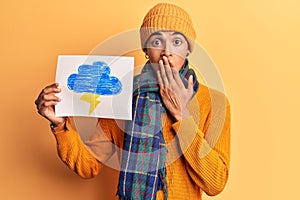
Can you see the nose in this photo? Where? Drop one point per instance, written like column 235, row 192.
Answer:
column 166, row 51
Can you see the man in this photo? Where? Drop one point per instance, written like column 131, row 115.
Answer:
column 173, row 117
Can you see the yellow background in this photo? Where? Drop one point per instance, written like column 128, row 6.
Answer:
column 254, row 43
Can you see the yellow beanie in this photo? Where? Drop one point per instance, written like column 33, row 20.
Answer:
column 165, row 16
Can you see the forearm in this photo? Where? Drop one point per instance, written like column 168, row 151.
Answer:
column 75, row 155
column 208, row 166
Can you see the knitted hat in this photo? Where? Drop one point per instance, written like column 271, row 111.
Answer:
column 165, row 16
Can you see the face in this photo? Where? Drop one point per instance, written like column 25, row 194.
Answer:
column 171, row 44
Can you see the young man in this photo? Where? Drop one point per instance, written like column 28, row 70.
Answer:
column 177, row 145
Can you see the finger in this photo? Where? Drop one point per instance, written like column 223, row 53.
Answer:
column 178, row 79
column 50, row 103
column 190, row 84
column 159, row 80
column 168, row 70
column 171, row 63
column 45, row 104
column 163, row 74
column 52, row 89
column 51, row 97
column 47, row 90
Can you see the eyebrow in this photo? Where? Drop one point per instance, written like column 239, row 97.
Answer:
column 159, row 34
column 177, row 33
column 155, row 33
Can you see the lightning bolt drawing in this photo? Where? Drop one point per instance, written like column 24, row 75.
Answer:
column 91, row 99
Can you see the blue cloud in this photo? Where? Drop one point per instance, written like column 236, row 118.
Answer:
column 94, row 79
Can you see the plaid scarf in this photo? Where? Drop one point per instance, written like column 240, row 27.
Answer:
column 143, row 170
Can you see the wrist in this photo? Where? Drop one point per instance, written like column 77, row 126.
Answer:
column 182, row 115
column 58, row 127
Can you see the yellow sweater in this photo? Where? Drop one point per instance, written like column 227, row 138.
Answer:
column 198, row 152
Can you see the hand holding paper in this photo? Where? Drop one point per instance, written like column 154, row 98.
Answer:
column 46, row 101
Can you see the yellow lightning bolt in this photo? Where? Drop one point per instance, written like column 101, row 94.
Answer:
column 91, row 99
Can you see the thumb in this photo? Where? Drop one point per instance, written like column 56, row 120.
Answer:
column 190, row 84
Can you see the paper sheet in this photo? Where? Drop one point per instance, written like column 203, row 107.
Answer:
column 95, row 86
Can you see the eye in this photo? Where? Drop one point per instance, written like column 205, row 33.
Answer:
column 177, row 42
column 156, row 43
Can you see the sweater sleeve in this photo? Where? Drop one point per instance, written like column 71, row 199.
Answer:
column 74, row 153
column 207, row 151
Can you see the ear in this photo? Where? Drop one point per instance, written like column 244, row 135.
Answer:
column 188, row 53
column 145, row 50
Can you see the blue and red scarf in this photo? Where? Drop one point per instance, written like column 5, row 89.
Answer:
column 143, row 170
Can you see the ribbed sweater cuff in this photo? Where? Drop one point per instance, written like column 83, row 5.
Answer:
column 65, row 134
column 187, row 131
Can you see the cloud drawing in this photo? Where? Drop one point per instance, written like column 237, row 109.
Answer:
column 94, row 79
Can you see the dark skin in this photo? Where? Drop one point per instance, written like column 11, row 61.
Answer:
column 167, row 51
column 45, row 105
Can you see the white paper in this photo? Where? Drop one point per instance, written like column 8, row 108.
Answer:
column 101, row 88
